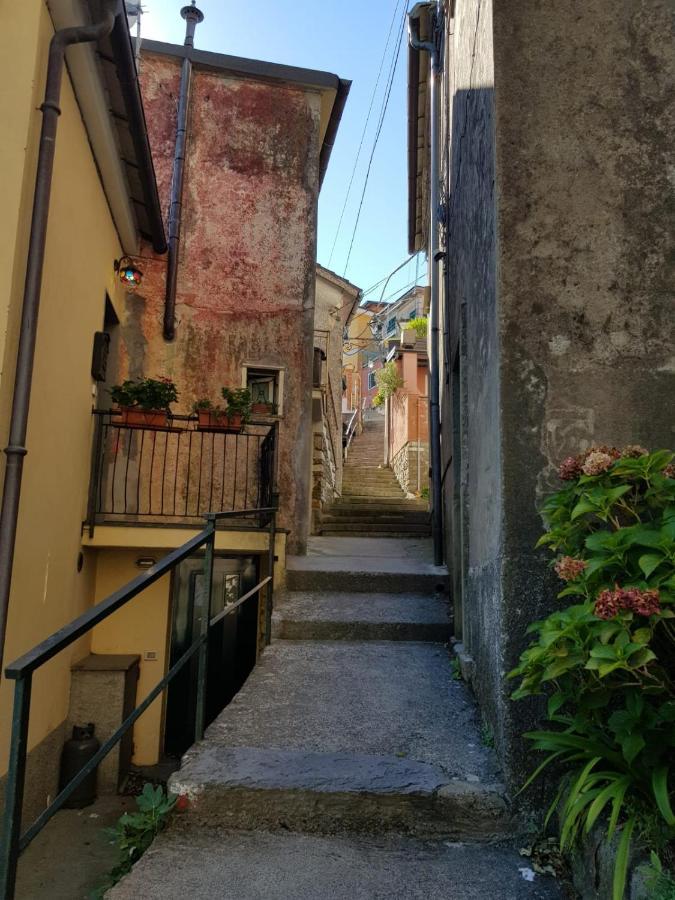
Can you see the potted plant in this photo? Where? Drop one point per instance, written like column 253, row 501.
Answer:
column 262, row 407
column 144, row 402
column 208, row 414
column 238, row 409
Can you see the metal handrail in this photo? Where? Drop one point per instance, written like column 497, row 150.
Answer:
column 21, row 671
column 351, row 430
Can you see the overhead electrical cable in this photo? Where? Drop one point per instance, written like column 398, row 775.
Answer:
column 383, row 111
column 365, row 128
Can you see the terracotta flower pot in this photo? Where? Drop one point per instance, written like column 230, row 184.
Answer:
column 142, row 418
column 262, row 409
column 208, row 418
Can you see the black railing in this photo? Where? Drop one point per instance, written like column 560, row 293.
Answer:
column 177, row 473
column 14, row 842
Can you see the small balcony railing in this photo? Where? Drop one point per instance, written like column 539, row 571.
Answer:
column 178, row 473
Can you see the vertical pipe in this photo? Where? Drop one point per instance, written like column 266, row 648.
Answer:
column 203, row 657
column 16, row 776
column 269, row 595
column 433, row 48
column 16, row 449
column 192, row 17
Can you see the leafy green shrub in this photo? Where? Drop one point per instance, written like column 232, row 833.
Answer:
column 388, row 380
column 145, row 393
column 661, row 884
column 135, row 831
column 607, row 662
column 420, row 324
column 238, row 402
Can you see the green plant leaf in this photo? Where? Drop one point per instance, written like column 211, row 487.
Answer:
column 660, row 789
column 582, row 507
column 631, row 746
column 649, row 562
column 613, row 792
column 622, row 857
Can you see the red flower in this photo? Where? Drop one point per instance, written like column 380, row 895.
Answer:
column 643, row 603
column 569, row 468
column 569, row 568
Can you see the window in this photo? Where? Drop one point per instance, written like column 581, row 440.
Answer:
column 391, row 325
column 266, row 387
column 372, row 383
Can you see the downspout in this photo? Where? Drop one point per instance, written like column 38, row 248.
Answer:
column 16, row 450
column 192, row 17
column 433, row 48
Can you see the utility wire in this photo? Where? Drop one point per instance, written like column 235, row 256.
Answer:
column 385, row 103
column 365, row 128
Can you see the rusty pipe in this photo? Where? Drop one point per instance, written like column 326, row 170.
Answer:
column 16, row 449
column 192, row 17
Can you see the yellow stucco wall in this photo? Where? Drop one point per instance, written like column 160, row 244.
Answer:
column 141, row 626
column 82, row 243
column 144, row 624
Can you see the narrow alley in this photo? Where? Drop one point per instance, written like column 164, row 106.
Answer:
column 351, row 764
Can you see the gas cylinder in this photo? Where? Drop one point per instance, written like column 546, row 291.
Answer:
column 76, row 754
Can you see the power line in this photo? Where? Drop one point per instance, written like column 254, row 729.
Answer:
column 378, row 131
column 365, row 128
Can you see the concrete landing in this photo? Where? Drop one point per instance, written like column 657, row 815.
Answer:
column 357, row 736
column 374, row 616
column 253, row 866
column 366, row 564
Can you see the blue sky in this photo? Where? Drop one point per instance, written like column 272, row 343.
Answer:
column 348, row 39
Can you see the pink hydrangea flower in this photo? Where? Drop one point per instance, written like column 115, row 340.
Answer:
column 597, row 462
column 569, row 568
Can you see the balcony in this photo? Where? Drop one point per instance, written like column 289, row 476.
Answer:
column 173, row 475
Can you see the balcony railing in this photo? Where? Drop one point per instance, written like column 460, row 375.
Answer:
column 178, row 473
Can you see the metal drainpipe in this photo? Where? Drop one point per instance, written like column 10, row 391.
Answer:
column 433, row 48
column 16, row 450
column 192, row 17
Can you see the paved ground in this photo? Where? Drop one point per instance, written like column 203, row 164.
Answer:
column 347, row 767
column 367, row 698
column 72, row 855
column 255, row 866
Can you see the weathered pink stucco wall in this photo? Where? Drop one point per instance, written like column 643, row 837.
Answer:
column 247, row 257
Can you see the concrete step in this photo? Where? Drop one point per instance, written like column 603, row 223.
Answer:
column 357, row 532
column 406, row 509
column 366, row 617
column 333, row 736
column 348, row 503
column 382, row 528
column 372, row 514
column 244, row 865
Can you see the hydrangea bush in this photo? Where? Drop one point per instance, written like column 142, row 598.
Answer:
column 607, row 660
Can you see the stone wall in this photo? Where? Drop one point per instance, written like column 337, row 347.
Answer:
column 405, row 464
column 558, row 298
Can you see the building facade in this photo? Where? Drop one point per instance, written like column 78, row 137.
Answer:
column 556, row 285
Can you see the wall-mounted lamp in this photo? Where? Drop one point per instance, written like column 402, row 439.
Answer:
column 130, row 276
column 145, row 562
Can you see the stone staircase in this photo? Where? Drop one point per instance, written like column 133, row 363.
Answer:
column 350, row 766
column 373, row 503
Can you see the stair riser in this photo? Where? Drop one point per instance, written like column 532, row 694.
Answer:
column 361, row 631
column 359, row 582
column 374, row 518
column 473, row 816
column 376, row 528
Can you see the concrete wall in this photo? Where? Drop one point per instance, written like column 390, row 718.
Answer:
column 247, row 256
column 47, row 589
column 558, row 302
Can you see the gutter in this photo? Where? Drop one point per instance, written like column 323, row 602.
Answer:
column 127, row 74
column 16, row 450
column 332, row 127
